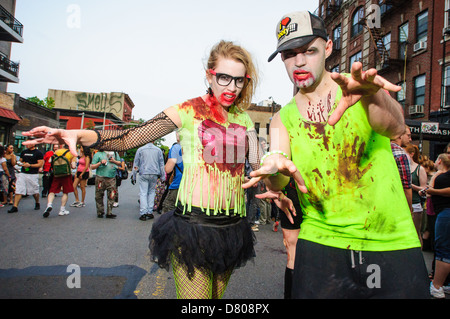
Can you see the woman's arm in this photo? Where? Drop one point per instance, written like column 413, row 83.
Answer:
column 5, row 168
column 113, row 140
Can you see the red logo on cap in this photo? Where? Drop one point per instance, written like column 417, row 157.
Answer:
column 285, row 22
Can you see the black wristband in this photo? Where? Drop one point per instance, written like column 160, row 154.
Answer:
column 94, row 146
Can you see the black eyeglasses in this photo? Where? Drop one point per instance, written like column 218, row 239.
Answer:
column 224, row 79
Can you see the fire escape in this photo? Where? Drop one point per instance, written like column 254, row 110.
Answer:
column 383, row 60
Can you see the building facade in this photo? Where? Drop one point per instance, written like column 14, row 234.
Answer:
column 261, row 115
column 88, row 110
column 11, row 31
column 405, row 40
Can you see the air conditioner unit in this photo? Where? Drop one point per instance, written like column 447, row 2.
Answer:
column 421, row 45
column 446, row 31
column 416, row 109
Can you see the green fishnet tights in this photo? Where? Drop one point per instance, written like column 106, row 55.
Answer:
column 202, row 285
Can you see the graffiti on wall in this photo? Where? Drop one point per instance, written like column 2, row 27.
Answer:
column 99, row 102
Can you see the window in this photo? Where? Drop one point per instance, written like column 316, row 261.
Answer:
column 257, row 125
column 446, row 79
column 401, row 95
column 357, row 21
column 354, row 58
column 402, row 40
column 387, row 44
column 447, row 14
column 422, row 26
column 384, row 7
column 335, row 69
column 337, row 38
column 419, row 90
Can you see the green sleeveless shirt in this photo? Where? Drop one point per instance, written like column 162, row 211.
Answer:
column 355, row 199
column 214, row 150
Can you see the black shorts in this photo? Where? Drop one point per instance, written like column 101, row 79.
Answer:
column 84, row 176
column 325, row 272
column 291, row 192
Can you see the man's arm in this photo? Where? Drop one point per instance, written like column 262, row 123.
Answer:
column 170, row 165
column 385, row 115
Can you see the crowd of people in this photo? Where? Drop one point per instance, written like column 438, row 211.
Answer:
column 418, row 174
column 59, row 171
column 354, row 211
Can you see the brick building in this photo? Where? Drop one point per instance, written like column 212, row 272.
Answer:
column 11, row 31
column 404, row 40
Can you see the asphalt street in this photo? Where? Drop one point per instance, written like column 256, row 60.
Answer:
column 41, row 257
column 80, row 256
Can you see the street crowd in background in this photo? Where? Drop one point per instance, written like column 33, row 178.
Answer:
column 46, row 174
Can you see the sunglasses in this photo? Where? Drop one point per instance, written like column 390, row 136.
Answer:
column 224, row 79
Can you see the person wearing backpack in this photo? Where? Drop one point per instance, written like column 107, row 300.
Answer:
column 62, row 180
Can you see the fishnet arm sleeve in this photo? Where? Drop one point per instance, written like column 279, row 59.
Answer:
column 255, row 151
column 115, row 140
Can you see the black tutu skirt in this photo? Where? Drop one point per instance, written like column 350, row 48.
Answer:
column 217, row 243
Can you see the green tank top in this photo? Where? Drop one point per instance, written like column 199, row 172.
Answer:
column 214, row 148
column 355, row 199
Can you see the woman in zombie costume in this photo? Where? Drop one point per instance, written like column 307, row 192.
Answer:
column 207, row 235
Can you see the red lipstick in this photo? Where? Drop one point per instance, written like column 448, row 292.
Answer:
column 301, row 75
column 227, row 98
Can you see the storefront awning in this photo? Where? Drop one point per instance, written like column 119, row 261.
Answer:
column 9, row 114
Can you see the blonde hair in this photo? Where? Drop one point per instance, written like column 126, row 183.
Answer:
column 445, row 159
column 229, row 50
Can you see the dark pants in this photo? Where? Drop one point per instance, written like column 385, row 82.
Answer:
column 325, row 272
column 47, row 179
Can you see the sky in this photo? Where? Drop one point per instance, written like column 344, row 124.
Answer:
column 154, row 51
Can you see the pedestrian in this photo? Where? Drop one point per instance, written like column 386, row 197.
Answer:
column 11, row 161
column 61, row 180
column 290, row 235
column 207, row 236
column 333, row 138
column 162, row 187
column 5, row 177
column 440, row 195
column 398, row 144
column 418, row 182
column 47, row 173
column 174, row 166
column 121, row 173
column 290, row 225
column 149, row 161
column 430, row 221
column 105, row 164
column 81, row 176
column 31, row 160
